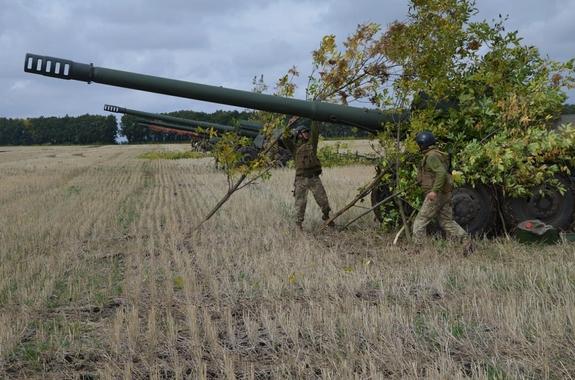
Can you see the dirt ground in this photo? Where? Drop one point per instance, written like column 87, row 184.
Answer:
column 102, row 276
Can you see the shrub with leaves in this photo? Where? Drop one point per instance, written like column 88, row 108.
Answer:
column 339, row 154
column 242, row 162
column 488, row 98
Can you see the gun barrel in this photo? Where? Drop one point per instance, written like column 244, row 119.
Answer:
column 164, row 124
column 159, row 128
column 251, row 125
column 178, row 122
column 367, row 119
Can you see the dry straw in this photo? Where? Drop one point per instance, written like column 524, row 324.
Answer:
column 100, row 277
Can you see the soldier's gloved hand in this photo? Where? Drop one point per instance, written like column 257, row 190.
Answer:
column 431, row 196
column 293, row 133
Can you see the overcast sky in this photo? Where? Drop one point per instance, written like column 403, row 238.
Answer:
column 219, row 42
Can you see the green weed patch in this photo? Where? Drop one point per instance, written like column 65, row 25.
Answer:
column 339, row 154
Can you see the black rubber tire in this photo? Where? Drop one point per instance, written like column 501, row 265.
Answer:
column 249, row 153
column 283, row 157
column 554, row 209
column 475, row 209
column 378, row 194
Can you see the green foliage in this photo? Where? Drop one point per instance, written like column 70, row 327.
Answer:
column 356, row 73
column 85, row 129
column 283, row 87
column 31, row 353
column 178, row 283
column 13, row 132
column 530, row 156
column 339, row 154
column 237, row 156
column 73, row 190
column 495, row 373
column 161, row 155
column 488, row 98
column 227, row 152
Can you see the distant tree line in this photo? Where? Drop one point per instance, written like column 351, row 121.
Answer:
column 97, row 129
column 67, row 130
column 135, row 133
column 569, row 108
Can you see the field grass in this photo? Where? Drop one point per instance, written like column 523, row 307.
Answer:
column 172, row 155
column 364, row 147
column 101, row 277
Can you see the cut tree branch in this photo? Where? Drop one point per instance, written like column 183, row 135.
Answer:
column 238, row 185
column 362, row 194
column 385, row 200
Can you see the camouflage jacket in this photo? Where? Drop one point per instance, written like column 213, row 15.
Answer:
column 305, row 154
column 432, row 174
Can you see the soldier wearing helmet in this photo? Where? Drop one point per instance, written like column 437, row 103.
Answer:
column 307, row 171
column 435, row 179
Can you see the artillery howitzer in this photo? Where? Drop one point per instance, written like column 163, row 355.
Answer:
column 475, row 208
column 199, row 141
column 197, row 129
column 185, row 124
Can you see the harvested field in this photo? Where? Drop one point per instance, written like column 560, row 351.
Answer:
column 101, row 277
column 368, row 147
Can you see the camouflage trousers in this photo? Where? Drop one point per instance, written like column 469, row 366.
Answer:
column 301, row 186
column 442, row 209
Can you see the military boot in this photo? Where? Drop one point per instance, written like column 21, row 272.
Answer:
column 326, row 217
column 469, row 247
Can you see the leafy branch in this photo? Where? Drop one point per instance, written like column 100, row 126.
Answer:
column 477, row 87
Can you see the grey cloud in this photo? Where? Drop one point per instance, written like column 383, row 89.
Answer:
column 224, row 43
column 344, row 16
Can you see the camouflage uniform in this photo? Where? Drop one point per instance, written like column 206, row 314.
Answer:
column 433, row 176
column 301, row 186
column 307, row 171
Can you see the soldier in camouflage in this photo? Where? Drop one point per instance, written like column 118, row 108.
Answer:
column 307, row 171
column 434, row 178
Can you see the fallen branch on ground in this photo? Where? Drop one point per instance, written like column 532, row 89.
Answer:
column 372, row 208
column 362, row 194
column 238, row 185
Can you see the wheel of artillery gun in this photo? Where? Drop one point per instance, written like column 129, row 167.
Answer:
column 545, row 203
column 378, row 194
column 475, row 209
column 283, row 156
column 249, row 153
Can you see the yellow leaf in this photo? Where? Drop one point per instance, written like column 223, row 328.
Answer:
column 178, row 282
column 457, row 177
